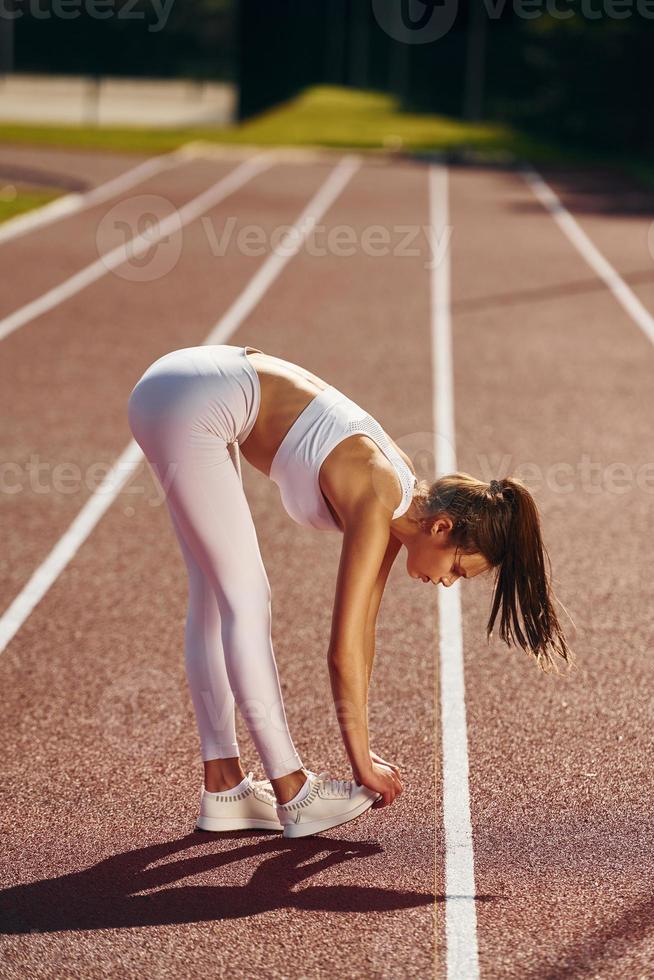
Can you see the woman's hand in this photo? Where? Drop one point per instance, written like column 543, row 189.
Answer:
column 382, row 762
column 381, row 778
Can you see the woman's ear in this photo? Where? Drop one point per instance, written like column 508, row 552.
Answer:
column 442, row 525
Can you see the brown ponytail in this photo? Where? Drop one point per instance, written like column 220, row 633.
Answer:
column 500, row 521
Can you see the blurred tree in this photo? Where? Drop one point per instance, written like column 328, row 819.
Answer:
column 585, row 81
column 582, row 78
column 193, row 38
column 6, row 45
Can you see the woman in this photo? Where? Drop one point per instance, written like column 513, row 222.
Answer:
column 336, row 469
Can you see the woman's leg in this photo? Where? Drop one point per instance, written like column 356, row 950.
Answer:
column 208, row 682
column 213, row 518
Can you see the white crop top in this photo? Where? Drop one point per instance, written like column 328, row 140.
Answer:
column 328, row 419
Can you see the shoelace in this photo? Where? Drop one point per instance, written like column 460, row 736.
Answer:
column 262, row 789
column 337, row 789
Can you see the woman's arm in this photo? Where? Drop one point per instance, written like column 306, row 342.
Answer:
column 375, row 600
column 365, row 542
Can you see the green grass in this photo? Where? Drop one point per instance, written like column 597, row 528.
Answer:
column 24, row 200
column 91, row 138
column 320, row 116
column 328, row 116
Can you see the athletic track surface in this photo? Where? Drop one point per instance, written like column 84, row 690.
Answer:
column 521, row 846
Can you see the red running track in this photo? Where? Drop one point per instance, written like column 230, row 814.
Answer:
column 104, row 874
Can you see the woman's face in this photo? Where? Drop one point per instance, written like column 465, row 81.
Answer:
column 431, row 557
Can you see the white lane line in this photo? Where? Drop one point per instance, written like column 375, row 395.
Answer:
column 598, row 263
column 67, row 546
column 262, row 279
column 32, row 593
column 69, row 204
column 138, row 245
column 462, row 960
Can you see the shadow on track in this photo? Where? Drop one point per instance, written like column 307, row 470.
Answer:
column 106, row 895
column 596, row 954
column 598, row 191
column 544, row 293
column 42, row 178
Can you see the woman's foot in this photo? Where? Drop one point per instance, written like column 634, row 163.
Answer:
column 327, row 803
column 247, row 806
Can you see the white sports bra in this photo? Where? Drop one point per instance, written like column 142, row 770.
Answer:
column 329, row 418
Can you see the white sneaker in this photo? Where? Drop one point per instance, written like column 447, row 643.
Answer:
column 329, row 803
column 251, row 808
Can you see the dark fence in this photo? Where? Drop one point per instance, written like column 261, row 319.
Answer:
column 152, row 38
column 574, row 70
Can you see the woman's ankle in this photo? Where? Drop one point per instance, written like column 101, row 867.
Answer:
column 288, row 786
column 221, row 775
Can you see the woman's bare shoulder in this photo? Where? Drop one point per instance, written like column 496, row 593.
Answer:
column 359, row 475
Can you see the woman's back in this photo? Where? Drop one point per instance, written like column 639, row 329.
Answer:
column 286, row 390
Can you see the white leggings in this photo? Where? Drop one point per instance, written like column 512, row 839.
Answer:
column 188, row 412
